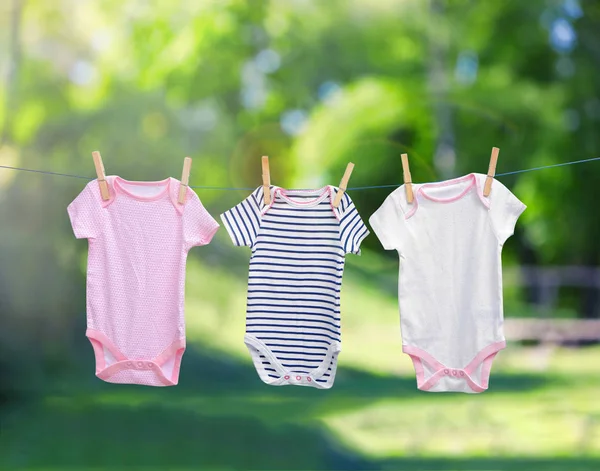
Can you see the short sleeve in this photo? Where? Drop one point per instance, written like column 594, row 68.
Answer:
column 388, row 223
column 84, row 212
column 352, row 228
column 243, row 220
column 199, row 227
column 505, row 209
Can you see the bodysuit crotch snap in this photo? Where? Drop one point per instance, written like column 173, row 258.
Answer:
column 435, row 376
column 114, row 367
column 278, row 368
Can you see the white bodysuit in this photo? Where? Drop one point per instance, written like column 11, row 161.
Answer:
column 449, row 241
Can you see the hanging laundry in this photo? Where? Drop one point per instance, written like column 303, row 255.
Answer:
column 449, row 241
column 139, row 239
column 299, row 242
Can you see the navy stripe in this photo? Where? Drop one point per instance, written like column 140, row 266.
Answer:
column 268, row 298
column 308, row 239
column 310, row 224
column 289, row 273
column 246, row 235
column 300, row 360
column 283, row 244
column 295, row 327
column 296, row 319
column 297, row 293
column 291, row 339
column 251, row 219
column 252, row 262
column 315, row 231
column 295, row 286
column 337, row 262
column 232, row 215
column 350, row 237
column 294, row 346
column 295, row 309
column 287, row 207
column 336, row 339
column 322, row 354
column 252, row 277
column 358, row 237
column 230, row 227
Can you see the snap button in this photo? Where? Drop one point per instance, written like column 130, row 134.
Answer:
column 150, row 365
column 140, row 364
column 447, row 371
column 462, row 373
column 130, row 364
column 298, row 378
column 286, row 377
column 309, row 379
column 454, row 373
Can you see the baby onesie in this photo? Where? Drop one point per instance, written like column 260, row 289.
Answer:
column 298, row 245
column 449, row 241
column 138, row 244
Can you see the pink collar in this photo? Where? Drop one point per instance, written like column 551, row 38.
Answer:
column 116, row 187
column 474, row 179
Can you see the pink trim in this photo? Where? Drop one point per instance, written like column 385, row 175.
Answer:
column 414, row 207
column 323, row 193
column 485, row 357
column 326, row 191
column 100, row 341
column 209, row 233
column 98, row 354
column 106, row 343
column 420, row 192
column 119, row 188
column 470, row 177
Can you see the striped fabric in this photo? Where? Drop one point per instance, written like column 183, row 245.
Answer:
column 298, row 246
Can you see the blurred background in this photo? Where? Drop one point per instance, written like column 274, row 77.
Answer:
column 314, row 85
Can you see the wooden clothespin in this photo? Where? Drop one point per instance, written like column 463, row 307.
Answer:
column 491, row 172
column 407, row 178
column 266, row 178
column 185, row 179
column 343, row 185
column 101, row 175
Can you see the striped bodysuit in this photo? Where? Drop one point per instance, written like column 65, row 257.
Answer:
column 298, row 245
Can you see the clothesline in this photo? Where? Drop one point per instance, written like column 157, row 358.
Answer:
column 356, row 188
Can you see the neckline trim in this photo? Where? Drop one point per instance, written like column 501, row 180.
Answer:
column 120, row 188
column 321, row 195
column 470, row 178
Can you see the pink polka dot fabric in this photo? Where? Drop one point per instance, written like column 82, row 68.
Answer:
column 138, row 245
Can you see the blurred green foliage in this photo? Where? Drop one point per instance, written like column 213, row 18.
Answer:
column 313, row 85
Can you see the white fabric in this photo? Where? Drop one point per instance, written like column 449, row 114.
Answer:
column 449, row 241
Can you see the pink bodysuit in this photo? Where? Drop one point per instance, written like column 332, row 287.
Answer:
column 138, row 244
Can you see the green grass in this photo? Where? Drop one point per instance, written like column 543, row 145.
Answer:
column 542, row 410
